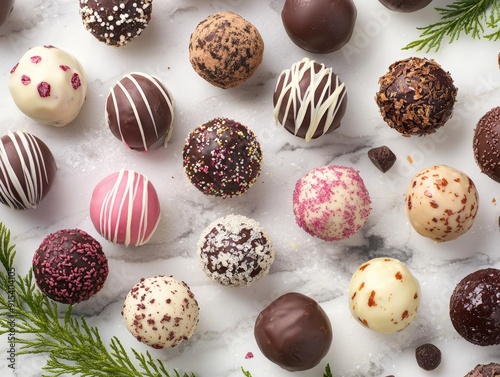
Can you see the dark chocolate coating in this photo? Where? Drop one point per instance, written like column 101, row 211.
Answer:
column 222, row 158
column 294, row 332
column 6, row 7
column 405, row 6
column 319, row 26
column 485, row 370
column 416, row 96
column 475, row 307
column 139, row 111
column 486, row 144
column 69, row 266
column 428, row 356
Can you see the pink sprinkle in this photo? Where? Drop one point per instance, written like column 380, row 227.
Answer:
column 64, row 67
column 75, row 81
column 249, row 355
column 25, row 80
column 49, row 46
column 14, row 68
column 36, row 59
column 44, row 89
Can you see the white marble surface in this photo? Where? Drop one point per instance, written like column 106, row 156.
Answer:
column 86, row 151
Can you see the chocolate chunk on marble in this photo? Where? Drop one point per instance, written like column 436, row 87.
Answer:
column 382, row 157
column 428, row 356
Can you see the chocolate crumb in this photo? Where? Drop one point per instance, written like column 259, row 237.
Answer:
column 428, row 356
column 382, row 157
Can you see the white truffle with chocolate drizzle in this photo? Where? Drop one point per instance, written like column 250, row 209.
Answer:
column 309, row 99
column 161, row 311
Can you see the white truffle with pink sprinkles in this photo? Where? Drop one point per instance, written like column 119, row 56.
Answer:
column 331, row 202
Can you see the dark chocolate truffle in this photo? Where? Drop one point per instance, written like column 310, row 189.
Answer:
column 486, row 143
column 140, row 112
column 475, row 307
column 27, row 170
column 293, row 332
column 69, row 266
column 428, row 356
column 222, row 158
column 235, row 251
column 319, row 26
column 116, row 22
column 225, row 49
column 309, row 100
column 416, row 96
column 382, row 157
column 485, row 370
column 6, row 7
column 405, row 6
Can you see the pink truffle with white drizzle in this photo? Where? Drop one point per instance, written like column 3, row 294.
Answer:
column 331, row 202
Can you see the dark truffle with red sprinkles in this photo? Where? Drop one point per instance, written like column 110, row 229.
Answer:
column 70, row 266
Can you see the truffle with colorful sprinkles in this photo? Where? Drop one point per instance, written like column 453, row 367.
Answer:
column 331, row 202
column 161, row 311
column 116, row 22
column 222, row 158
column 70, row 266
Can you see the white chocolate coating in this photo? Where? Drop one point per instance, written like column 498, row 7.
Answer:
column 48, row 85
column 441, row 203
column 384, row 295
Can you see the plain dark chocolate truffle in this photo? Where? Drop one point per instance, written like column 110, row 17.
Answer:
column 309, row 100
column 416, row 96
column 70, row 266
column 6, row 7
column 405, row 6
column 475, row 307
column 222, row 158
column 294, row 332
column 486, row 144
column 27, row 170
column 382, row 157
column 140, row 112
column 116, row 22
column 485, row 370
column 319, row 26
column 428, row 356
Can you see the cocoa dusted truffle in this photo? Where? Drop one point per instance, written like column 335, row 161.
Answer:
column 485, row 370
column 225, row 49
column 486, row 144
column 222, row 158
column 140, row 112
column 6, row 7
column 405, row 6
column 416, row 96
column 319, row 26
column 69, row 266
column 293, row 332
column 475, row 307
column 116, row 22
column 309, row 100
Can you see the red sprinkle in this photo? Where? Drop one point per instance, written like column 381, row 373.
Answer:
column 36, row 59
column 249, row 355
column 14, row 68
column 44, row 89
column 25, row 80
column 75, row 81
column 64, row 67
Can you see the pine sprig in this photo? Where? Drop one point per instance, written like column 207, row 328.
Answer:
column 72, row 346
column 469, row 17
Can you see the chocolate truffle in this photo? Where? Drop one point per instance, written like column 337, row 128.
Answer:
column 319, row 26
column 6, row 7
column 293, row 332
column 309, row 100
column 416, row 96
column 485, row 370
column 225, row 49
column 161, row 311
column 222, row 158
column 331, row 202
column 140, row 112
column 486, row 144
column 428, row 356
column 27, row 170
column 69, row 266
column 116, row 22
column 405, row 6
column 475, row 307
column 125, row 208
column 382, row 157
column 235, row 251
column 48, row 85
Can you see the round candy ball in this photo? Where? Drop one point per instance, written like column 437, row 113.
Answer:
column 309, row 100
column 331, row 202
column 405, row 6
column 416, row 96
column 69, row 266
column 474, row 307
column 125, row 208
column 48, row 85
column 293, row 332
column 27, row 170
column 140, row 112
column 225, row 49
column 6, row 7
column 161, row 312
column 235, row 251
column 486, row 143
column 222, row 158
column 441, row 203
column 384, row 296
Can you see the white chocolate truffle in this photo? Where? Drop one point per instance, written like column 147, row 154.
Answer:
column 48, row 85
column 384, row 295
column 441, row 203
column 161, row 311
